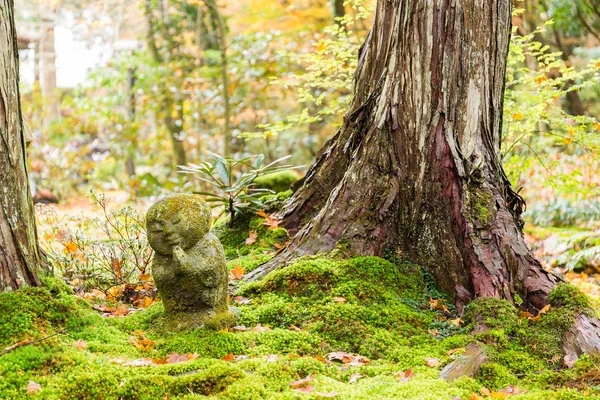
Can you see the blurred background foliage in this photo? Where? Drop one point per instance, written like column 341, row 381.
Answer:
column 173, row 80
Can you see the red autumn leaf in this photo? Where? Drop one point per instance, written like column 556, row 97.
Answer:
column 228, row 357
column 302, row 382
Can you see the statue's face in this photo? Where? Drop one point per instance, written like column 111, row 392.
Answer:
column 180, row 220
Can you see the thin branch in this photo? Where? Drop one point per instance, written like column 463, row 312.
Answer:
column 28, row 342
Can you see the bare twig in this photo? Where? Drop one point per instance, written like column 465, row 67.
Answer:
column 28, row 342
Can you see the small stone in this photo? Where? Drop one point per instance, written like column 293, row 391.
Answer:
column 467, row 364
column 189, row 266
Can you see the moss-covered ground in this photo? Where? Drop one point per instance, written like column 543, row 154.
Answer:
column 290, row 325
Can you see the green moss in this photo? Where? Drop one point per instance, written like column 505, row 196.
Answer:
column 569, row 297
column 278, row 181
column 480, row 205
column 493, row 313
column 32, row 312
column 495, row 376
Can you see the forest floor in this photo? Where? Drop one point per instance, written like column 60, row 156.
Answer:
column 324, row 327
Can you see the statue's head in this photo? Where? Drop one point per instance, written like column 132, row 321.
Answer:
column 177, row 220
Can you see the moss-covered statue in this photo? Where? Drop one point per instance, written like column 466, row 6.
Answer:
column 189, row 266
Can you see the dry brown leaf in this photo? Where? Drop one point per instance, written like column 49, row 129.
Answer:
column 322, row 359
column 485, row 391
column 251, row 238
column 295, row 328
column 456, row 321
column 260, row 328
column 141, row 342
column 355, row 377
column 432, row 362
column 404, row 376
column 304, row 389
column 342, row 356
column 433, row 332
column 542, row 311
column 33, row 387
column 81, row 344
column 340, row 300
column 302, row 382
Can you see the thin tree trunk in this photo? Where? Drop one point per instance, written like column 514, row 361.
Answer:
column 222, row 40
column 48, row 56
column 20, row 256
column 415, row 170
column 338, row 9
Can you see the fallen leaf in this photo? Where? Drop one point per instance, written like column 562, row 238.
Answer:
column 433, row 332
column 355, row 377
column 33, row 387
column 432, row 362
column 272, row 357
column 141, row 362
column 450, row 352
column 485, row 391
column 175, row 358
column 304, row 389
column 342, row 356
column 140, row 341
column 359, row 361
column 302, row 382
column 340, row 300
column 295, row 328
column 322, row 359
column 81, row 344
column 475, row 396
column 251, row 238
column 542, row 311
column 242, row 300
column 404, row 376
column 260, row 328
column 229, row 357
column 271, row 220
column 236, row 273
column 456, row 321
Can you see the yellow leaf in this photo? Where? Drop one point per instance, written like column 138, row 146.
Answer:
column 236, row 273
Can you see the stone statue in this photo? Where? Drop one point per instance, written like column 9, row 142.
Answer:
column 189, row 266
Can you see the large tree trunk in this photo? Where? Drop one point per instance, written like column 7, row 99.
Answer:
column 19, row 251
column 415, row 170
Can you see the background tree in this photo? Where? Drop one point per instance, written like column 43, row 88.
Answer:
column 424, row 132
column 20, row 255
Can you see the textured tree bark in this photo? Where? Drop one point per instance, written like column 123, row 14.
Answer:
column 415, row 171
column 20, row 256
